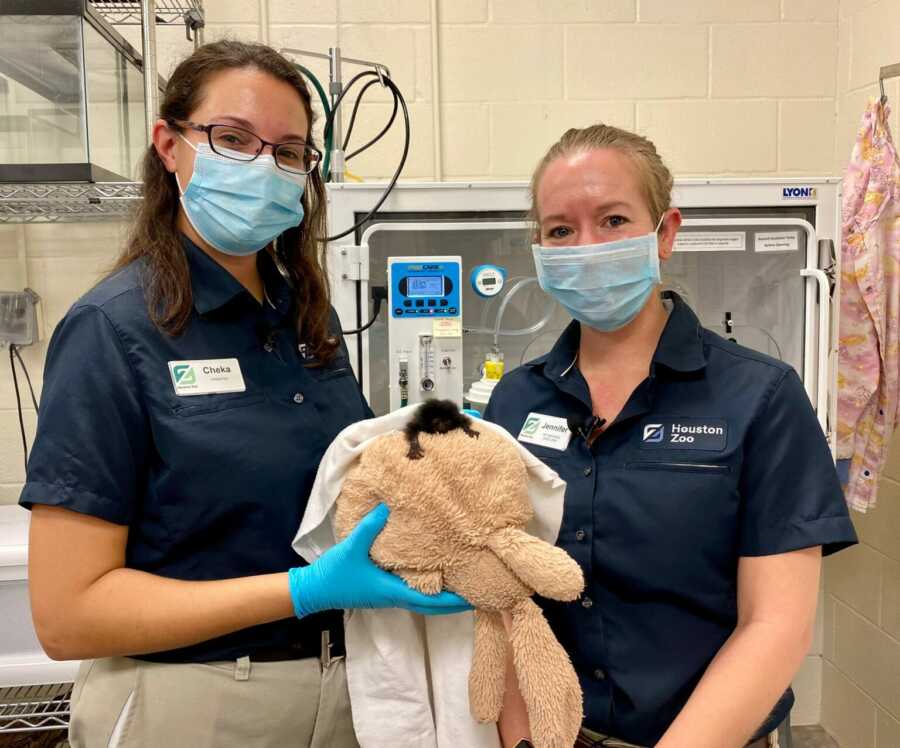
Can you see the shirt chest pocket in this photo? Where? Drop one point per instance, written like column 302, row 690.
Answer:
column 334, row 393
column 680, row 466
column 677, row 508
column 334, row 370
column 201, row 405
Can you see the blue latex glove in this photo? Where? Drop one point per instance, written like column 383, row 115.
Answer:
column 346, row 577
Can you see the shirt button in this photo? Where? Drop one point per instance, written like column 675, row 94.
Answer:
column 587, row 602
column 587, row 471
column 298, row 398
column 599, row 674
column 580, row 534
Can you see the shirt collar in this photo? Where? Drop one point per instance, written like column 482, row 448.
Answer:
column 213, row 286
column 680, row 346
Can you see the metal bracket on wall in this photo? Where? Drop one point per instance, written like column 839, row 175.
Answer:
column 351, row 262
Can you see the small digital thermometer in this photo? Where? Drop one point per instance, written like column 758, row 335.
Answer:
column 488, row 280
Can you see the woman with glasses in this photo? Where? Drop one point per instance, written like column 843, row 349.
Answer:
column 188, row 399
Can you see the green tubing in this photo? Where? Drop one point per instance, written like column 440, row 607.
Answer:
column 324, row 99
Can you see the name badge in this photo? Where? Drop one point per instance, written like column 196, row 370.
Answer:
column 213, row 376
column 708, row 434
column 546, row 431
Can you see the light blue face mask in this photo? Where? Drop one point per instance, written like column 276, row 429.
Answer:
column 240, row 207
column 603, row 286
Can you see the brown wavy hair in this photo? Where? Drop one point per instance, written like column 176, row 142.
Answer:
column 155, row 238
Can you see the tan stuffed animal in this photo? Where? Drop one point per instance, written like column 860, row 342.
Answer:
column 459, row 504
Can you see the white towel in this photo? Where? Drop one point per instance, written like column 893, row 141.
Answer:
column 408, row 674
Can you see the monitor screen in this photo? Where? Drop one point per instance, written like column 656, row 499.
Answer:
column 425, row 285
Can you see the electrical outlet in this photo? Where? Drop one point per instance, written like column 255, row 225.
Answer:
column 18, row 317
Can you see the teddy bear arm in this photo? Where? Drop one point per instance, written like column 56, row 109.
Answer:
column 548, row 570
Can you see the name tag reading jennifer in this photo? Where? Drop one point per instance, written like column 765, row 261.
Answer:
column 214, row 376
column 546, row 431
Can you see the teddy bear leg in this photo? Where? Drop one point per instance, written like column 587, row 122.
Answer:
column 546, row 678
column 426, row 582
column 487, row 678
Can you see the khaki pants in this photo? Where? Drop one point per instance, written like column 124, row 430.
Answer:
column 119, row 702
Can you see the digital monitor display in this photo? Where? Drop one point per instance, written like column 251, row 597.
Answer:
column 425, row 285
column 489, row 281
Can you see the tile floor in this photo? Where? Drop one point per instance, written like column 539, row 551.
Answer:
column 812, row 737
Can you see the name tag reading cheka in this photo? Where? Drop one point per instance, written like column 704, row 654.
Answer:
column 546, row 431
column 213, row 376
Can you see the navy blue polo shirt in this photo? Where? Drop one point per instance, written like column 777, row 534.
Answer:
column 211, row 486
column 716, row 455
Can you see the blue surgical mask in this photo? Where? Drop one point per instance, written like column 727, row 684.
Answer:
column 240, row 207
column 603, row 286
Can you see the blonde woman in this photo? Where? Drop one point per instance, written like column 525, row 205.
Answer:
column 701, row 492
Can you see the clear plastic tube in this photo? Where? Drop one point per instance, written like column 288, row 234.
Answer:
column 489, row 302
column 534, row 340
column 767, row 334
column 497, row 331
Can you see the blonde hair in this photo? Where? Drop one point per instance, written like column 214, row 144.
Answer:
column 654, row 176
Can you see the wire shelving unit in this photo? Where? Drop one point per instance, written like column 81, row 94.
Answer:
column 35, row 708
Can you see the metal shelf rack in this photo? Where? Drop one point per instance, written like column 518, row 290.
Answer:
column 35, row 708
column 59, row 198
column 67, row 202
column 128, row 12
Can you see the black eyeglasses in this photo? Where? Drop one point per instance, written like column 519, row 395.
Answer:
column 242, row 145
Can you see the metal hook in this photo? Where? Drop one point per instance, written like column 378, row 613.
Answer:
column 888, row 71
column 193, row 21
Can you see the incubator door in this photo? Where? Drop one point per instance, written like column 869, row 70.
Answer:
column 754, row 280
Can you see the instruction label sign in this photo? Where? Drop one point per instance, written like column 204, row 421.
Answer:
column 777, row 241
column 711, row 241
column 447, row 328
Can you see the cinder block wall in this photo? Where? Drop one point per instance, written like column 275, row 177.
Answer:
column 724, row 87
column 861, row 674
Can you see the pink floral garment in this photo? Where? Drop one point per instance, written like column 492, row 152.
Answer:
column 869, row 333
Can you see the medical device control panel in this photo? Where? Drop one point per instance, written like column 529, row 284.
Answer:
column 425, row 329
column 424, row 288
